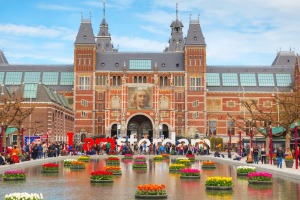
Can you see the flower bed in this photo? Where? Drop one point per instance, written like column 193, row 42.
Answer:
column 67, row 162
column 23, row 195
column 113, row 161
column 208, row 164
column 50, row 168
column 185, row 162
column 101, row 176
column 245, row 170
column 165, row 156
column 259, row 177
column 219, row 183
column 128, row 157
column 158, row 158
column 151, row 191
column 77, row 165
column 190, row 173
column 116, row 170
column 176, row 167
column 14, row 175
column 140, row 159
column 139, row 165
column 84, row 158
column 191, row 157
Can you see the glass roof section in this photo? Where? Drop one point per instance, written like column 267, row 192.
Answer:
column 213, row 79
column 230, row 79
column 266, row 80
column 32, row 77
column 13, row 78
column 1, row 77
column 30, row 90
column 66, row 78
column 248, row 80
column 283, row 80
column 50, row 78
column 140, row 64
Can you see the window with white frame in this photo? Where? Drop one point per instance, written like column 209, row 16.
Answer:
column 178, row 81
column 230, row 103
column 230, row 127
column 212, row 127
column 195, row 103
column 84, row 103
column 100, row 130
column 195, row 84
column 195, row 115
column 84, row 83
column 101, row 80
column 83, row 114
column 100, row 119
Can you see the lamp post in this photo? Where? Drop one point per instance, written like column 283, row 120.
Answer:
column 1, row 138
column 251, row 138
column 278, row 118
column 22, row 137
column 230, row 137
column 271, row 145
column 296, row 144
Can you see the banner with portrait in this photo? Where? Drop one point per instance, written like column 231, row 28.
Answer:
column 140, row 98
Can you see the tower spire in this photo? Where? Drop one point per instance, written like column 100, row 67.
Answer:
column 176, row 10
column 103, row 9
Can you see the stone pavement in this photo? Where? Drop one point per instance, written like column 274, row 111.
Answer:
column 288, row 173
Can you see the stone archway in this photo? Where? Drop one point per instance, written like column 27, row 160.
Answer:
column 140, row 126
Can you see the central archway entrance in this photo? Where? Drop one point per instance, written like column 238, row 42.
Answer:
column 141, row 127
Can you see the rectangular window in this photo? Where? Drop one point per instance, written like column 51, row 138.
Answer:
column 195, row 115
column 178, row 81
column 267, row 104
column 179, row 107
column 230, row 79
column 32, row 77
column 67, row 78
column 100, row 107
column 100, row 80
column 179, row 120
column 100, row 119
column 140, row 64
column 283, row 80
column 1, row 77
column 100, row 130
column 230, row 127
column 266, row 80
column 84, row 103
column 30, row 90
column 248, row 80
column 195, row 84
column 213, row 79
column 179, row 130
column 83, row 114
column 13, row 78
column 84, row 83
column 50, row 78
column 212, row 127
column 195, row 103
column 179, row 96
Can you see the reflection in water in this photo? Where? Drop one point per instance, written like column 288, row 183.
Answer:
column 75, row 184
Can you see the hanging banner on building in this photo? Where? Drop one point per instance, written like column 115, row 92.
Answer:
column 140, row 98
column 32, row 139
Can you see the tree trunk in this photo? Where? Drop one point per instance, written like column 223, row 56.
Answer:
column 267, row 147
column 288, row 139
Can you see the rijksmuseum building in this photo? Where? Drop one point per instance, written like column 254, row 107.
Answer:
column 148, row 94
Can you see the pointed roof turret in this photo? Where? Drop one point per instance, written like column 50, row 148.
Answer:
column 103, row 38
column 176, row 41
column 85, row 34
column 195, row 35
column 3, row 58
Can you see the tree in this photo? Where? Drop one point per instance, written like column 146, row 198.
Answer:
column 13, row 113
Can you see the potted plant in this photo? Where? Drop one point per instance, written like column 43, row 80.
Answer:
column 191, row 157
column 77, row 165
column 14, row 175
column 140, row 159
column 268, row 158
column 158, row 158
column 208, row 165
column 113, row 161
column 84, row 158
column 176, row 167
column 289, row 161
column 244, row 170
column 23, row 195
column 50, row 168
column 151, row 191
column 139, row 165
column 259, row 177
column 116, row 170
column 275, row 161
column 128, row 157
column 190, row 173
column 219, row 183
column 67, row 162
column 101, row 177
column 183, row 160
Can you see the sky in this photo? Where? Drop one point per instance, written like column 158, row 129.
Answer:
column 237, row 32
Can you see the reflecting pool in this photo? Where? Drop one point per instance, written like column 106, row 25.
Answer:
column 75, row 184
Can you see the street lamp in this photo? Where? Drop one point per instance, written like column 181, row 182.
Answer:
column 271, row 144
column 240, row 141
column 296, row 144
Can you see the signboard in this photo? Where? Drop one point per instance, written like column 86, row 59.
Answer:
column 31, row 139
